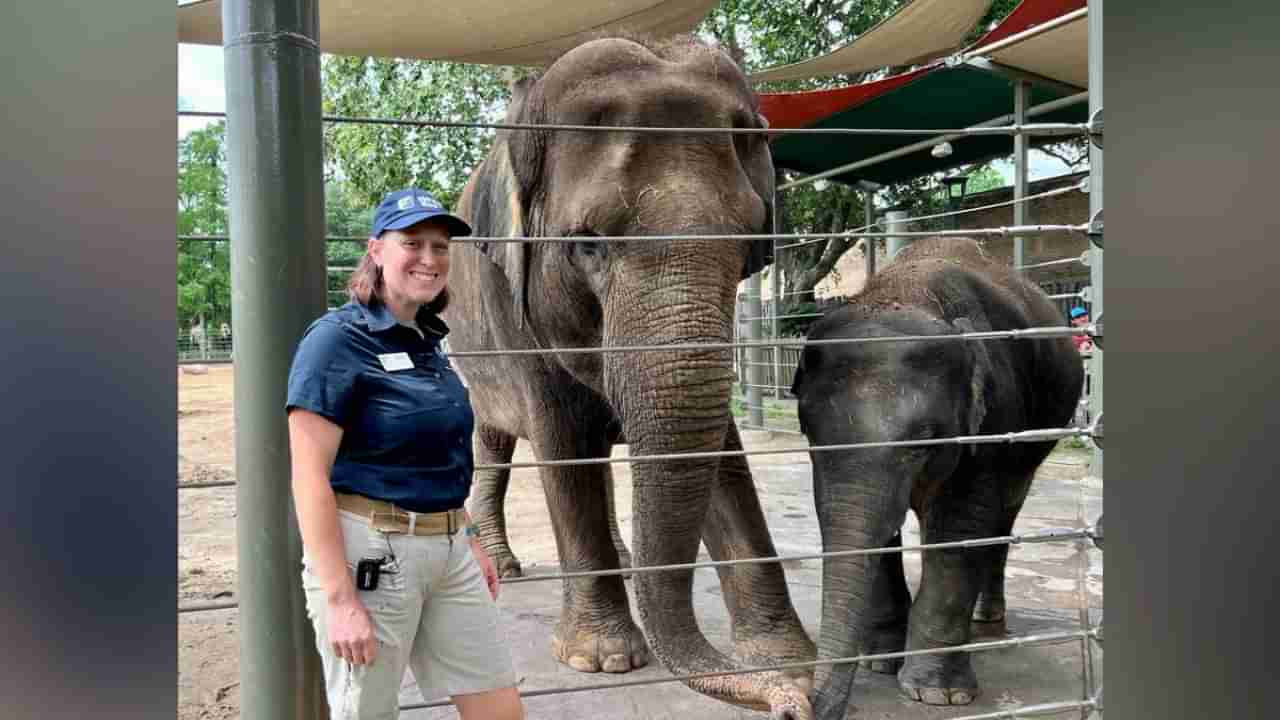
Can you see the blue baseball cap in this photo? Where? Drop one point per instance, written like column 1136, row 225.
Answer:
column 1077, row 311
column 402, row 208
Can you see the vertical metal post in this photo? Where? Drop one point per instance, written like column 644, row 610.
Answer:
column 869, row 217
column 755, row 363
column 275, row 159
column 1021, row 101
column 893, row 223
column 1095, row 208
column 775, row 280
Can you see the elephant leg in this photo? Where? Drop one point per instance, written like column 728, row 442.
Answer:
column 488, row 496
column 890, row 608
column 967, row 507
column 595, row 631
column 764, row 623
column 990, row 607
column 624, row 555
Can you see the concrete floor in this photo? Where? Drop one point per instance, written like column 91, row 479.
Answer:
column 1042, row 596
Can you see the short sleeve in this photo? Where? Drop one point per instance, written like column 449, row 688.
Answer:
column 323, row 375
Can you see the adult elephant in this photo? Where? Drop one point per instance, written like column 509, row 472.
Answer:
column 933, row 387
column 596, row 294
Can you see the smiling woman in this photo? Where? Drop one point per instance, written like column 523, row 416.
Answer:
column 380, row 436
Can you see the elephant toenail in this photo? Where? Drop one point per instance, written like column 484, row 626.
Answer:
column 960, row 697
column 934, row 696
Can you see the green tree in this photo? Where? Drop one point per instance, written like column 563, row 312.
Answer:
column 375, row 159
column 204, row 268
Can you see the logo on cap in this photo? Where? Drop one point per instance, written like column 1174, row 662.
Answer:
column 404, row 203
column 426, row 202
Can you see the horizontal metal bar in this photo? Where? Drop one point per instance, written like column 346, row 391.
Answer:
column 744, row 426
column 1012, row 437
column 1048, row 193
column 1044, row 535
column 1026, row 333
column 781, row 317
column 1039, row 129
column 1050, row 263
column 1041, row 109
column 992, row 232
column 227, row 238
column 997, row 231
column 1024, row 641
column 1027, row 34
column 1038, row 536
column 1026, row 711
column 209, row 484
column 1064, row 296
column 207, row 606
column 1023, row 436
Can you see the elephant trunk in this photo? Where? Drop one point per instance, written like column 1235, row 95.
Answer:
column 857, row 508
column 678, row 402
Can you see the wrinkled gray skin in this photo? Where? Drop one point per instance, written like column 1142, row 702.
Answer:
column 920, row 389
column 592, row 294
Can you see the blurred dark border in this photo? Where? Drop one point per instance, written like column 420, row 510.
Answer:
column 1192, row 233
column 87, row 373
column 89, row 383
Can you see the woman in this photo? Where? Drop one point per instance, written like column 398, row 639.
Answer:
column 380, row 435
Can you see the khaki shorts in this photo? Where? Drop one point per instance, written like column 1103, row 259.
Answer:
column 431, row 613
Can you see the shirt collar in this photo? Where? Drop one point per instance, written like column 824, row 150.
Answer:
column 379, row 318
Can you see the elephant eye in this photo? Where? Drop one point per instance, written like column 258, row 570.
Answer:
column 586, row 247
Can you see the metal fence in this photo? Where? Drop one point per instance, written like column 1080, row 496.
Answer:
column 196, row 348
column 752, row 365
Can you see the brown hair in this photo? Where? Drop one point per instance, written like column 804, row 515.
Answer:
column 365, row 286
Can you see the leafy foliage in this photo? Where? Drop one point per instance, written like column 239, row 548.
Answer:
column 376, row 159
column 204, row 268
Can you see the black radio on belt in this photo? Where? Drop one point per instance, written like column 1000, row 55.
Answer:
column 367, row 572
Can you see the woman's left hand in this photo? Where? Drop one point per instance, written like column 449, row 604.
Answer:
column 486, row 566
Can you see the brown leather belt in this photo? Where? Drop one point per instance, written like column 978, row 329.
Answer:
column 384, row 516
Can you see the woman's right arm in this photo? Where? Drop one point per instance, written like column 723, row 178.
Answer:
column 313, row 444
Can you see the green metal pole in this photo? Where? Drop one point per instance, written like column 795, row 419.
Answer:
column 1095, row 207
column 1021, row 213
column 276, row 202
column 755, row 356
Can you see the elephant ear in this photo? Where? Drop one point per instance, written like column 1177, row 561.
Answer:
column 502, row 195
column 761, row 173
column 979, row 376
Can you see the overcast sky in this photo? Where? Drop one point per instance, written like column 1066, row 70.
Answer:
column 200, row 86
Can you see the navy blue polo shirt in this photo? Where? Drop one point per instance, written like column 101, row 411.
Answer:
column 406, row 430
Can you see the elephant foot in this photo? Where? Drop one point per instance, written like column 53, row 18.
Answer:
column 989, row 609
column 888, row 639
column 939, row 679
column 610, row 646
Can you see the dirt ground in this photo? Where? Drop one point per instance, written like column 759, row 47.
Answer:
column 1041, row 588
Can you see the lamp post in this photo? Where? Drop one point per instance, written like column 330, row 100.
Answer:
column 955, row 193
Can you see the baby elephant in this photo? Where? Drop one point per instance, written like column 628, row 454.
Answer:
column 931, row 387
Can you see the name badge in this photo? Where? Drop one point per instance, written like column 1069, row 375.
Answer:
column 395, row 361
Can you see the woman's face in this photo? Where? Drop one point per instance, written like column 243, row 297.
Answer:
column 415, row 264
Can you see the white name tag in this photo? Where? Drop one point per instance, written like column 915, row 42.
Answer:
column 395, row 361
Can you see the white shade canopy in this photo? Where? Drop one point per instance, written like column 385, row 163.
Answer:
column 919, row 31
column 490, row 32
